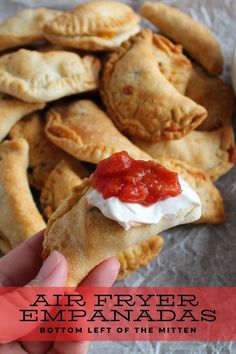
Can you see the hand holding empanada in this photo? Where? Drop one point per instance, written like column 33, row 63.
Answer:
column 124, row 203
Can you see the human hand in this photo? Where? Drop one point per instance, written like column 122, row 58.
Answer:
column 24, row 266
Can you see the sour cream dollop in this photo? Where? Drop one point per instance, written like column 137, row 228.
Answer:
column 134, row 214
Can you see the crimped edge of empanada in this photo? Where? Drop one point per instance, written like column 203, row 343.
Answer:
column 135, row 128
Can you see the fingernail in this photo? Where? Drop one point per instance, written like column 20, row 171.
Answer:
column 49, row 266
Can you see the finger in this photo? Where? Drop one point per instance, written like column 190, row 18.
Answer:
column 103, row 275
column 36, row 347
column 11, row 348
column 53, row 273
column 22, row 264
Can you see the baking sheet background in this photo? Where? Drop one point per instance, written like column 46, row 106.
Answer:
column 203, row 255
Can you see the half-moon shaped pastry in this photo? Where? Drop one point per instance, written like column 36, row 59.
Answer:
column 58, row 187
column 213, row 152
column 19, row 217
column 12, row 110
column 212, row 93
column 140, row 100
column 25, row 27
column 83, row 130
column 139, row 256
column 86, row 236
column 42, row 77
column 173, row 64
column 211, row 199
column 94, row 25
column 197, row 39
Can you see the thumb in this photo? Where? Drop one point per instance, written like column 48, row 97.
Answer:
column 52, row 273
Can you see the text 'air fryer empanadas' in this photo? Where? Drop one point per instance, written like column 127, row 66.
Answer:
column 213, row 152
column 19, row 217
column 140, row 100
column 94, row 25
column 25, row 27
column 197, row 40
column 124, row 203
column 83, row 130
column 33, row 76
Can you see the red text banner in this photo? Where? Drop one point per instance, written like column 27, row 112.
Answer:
column 119, row 314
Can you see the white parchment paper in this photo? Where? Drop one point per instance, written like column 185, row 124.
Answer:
column 203, row 255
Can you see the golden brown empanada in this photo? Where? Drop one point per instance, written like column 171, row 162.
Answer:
column 95, row 25
column 38, row 175
column 197, row 40
column 19, row 217
column 83, row 130
column 12, row 110
column 140, row 100
column 41, row 149
column 58, row 187
column 173, row 64
column 86, row 237
column 211, row 199
column 25, row 27
column 213, row 152
column 138, row 256
column 5, row 245
column 213, row 94
column 42, row 77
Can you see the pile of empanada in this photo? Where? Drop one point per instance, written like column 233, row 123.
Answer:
column 117, row 86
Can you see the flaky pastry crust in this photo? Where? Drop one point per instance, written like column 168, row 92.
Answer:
column 173, row 64
column 12, row 110
column 213, row 152
column 83, row 130
column 196, row 38
column 58, row 187
column 212, row 93
column 19, row 217
column 42, row 77
column 25, row 27
column 95, row 25
column 140, row 100
column 139, row 256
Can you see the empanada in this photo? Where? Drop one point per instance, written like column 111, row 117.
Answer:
column 83, row 130
column 139, row 255
column 197, row 40
column 140, row 100
column 213, row 152
column 19, row 217
column 12, row 110
column 31, row 128
column 25, row 27
column 38, row 175
column 212, row 93
column 95, row 25
column 42, row 77
column 211, row 199
column 173, row 64
column 86, row 237
column 58, row 187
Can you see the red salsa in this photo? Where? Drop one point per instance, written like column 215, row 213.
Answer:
column 134, row 181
